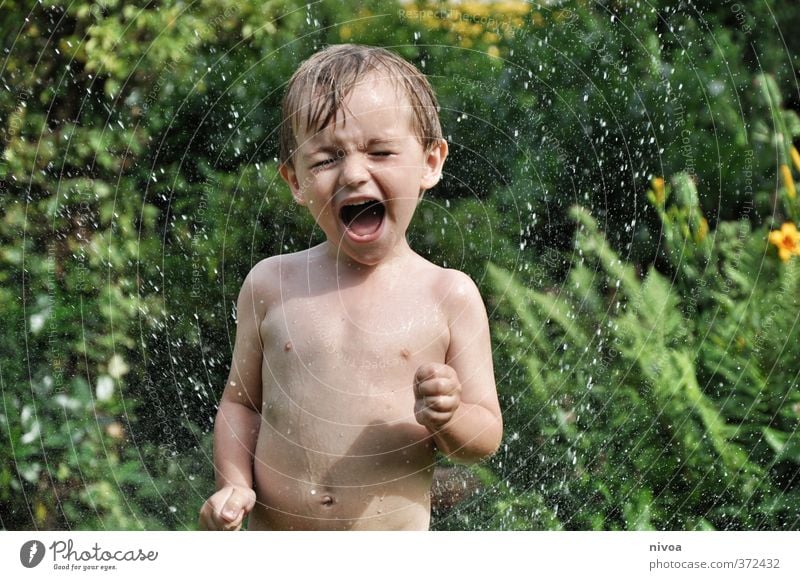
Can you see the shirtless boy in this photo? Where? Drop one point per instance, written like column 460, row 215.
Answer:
column 355, row 360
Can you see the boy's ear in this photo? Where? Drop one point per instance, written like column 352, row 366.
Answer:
column 290, row 177
column 434, row 161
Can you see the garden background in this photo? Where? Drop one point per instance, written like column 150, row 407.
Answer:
column 620, row 186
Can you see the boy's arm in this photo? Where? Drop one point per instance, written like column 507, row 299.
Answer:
column 457, row 401
column 238, row 418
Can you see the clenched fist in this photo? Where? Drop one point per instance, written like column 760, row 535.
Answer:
column 227, row 508
column 437, row 395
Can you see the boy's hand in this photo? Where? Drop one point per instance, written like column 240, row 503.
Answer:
column 437, row 394
column 226, row 509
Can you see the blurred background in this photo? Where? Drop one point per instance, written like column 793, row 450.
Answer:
column 620, row 186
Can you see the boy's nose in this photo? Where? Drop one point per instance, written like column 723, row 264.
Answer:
column 354, row 170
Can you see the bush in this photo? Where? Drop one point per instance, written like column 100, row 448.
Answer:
column 633, row 406
column 139, row 186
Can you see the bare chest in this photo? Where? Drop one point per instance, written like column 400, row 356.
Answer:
column 349, row 360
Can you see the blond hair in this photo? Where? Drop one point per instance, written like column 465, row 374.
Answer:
column 317, row 90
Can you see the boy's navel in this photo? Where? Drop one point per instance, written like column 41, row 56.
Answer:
column 405, row 353
column 326, row 500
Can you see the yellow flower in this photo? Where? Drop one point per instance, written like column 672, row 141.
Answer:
column 514, row 7
column 702, row 230
column 658, row 189
column 476, row 8
column 40, row 511
column 788, row 182
column 795, row 158
column 787, row 239
column 493, row 51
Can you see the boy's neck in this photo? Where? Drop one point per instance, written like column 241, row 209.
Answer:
column 345, row 265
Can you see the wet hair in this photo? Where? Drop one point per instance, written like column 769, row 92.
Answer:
column 317, row 90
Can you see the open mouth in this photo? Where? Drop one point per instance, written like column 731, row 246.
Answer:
column 363, row 218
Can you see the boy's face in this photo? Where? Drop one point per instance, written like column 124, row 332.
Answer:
column 361, row 177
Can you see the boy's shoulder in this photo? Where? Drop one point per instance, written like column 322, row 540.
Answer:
column 282, row 263
column 454, row 289
column 460, row 301
column 266, row 275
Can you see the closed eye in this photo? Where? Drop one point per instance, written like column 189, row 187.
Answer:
column 324, row 163
column 382, row 153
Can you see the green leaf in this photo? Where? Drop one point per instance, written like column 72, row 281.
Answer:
column 792, row 121
column 785, row 445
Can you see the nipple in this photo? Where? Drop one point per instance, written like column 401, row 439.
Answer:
column 288, row 346
column 405, row 353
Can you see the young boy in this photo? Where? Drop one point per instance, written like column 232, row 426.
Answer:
column 357, row 359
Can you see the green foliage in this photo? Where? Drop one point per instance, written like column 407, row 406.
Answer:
column 138, row 186
column 641, row 414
